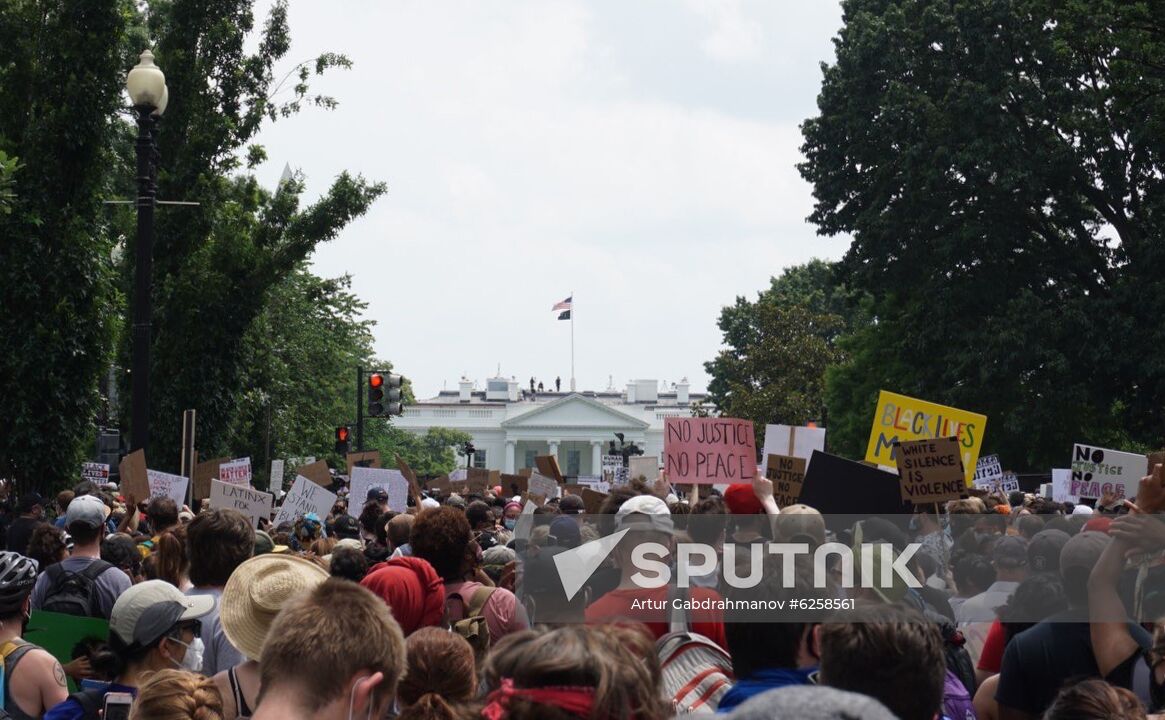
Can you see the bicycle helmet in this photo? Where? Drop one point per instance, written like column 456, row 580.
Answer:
column 17, row 576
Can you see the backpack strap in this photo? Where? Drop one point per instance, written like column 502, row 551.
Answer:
column 678, row 619
column 96, row 569
column 89, row 700
column 477, row 603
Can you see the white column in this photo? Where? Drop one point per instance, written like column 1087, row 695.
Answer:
column 511, row 446
column 554, row 450
column 597, row 457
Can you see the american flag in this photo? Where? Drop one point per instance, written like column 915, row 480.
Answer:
column 564, row 305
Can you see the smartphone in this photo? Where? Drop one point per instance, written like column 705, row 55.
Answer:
column 117, row 706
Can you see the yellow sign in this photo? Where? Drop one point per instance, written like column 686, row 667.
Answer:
column 900, row 418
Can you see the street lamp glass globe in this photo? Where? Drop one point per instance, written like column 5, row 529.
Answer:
column 163, row 102
column 145, row 83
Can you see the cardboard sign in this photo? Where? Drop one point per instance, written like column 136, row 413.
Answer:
column 646, row 467
column 306, row 496
column 459, row 475
column 573, row 489
column 441, row 484
column 167, row 485
column 931, row 470
column 370, row 458
column 543, row 486
column 839, row 487
column 593, row 501
column 793, row 441
column 134, row 476
column 495, row 478
column 548, row 466
column 477, row 480
column 204, row 472
column 900, row 418
column 317, row 472
column 96, row 472
column 391, row 481
column 709, row 450
column 460, row 487
column 236, row 472
column 252, row 503
column 1096, row 471
column 988, row 472
column 514, row 485
column 1062, row 486
column 788, row 476
column 275, row 481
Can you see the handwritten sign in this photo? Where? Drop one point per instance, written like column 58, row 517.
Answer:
column 988, row 473
column 1009, row 483
column 305, row 497
column 133, row 474
column 930, row 470
column 459, row 475
column 370, row 458
column 543, row 486
column 646, row 467
column 204, row 472
column 317, row 472
column 709, row 450
column 167, row 485
column 276, row 479
column 793, row 441
column 96, row 472
column 236, row 472
column 392, row 481
column 788, row 476
column 1096, row 471
column 252, row 503
column 900, row 418
column 1062, row 486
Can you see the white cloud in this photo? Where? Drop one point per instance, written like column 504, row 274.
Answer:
column 732, row 37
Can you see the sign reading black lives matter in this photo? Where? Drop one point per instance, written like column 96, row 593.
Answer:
column 788, row 475
column 931, row 470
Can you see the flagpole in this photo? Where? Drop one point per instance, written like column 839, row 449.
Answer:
column 572, row 341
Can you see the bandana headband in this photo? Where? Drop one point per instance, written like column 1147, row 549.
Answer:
column 576, row 700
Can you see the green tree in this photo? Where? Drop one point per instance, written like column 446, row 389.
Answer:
column 8, row 168
column 429, row 455
column 62, row 65
column 999, row 167
column 779, row 347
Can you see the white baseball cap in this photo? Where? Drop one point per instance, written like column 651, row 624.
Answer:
column 655, row 512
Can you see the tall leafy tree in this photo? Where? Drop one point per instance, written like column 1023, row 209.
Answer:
column 999, row 167
column 62, row 65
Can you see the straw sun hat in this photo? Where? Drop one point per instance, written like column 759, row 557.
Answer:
column 257, row 591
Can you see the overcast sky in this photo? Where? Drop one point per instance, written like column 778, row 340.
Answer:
column 638, row 154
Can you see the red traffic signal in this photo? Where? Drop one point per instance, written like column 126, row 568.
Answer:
column 342, row 434
column 375, row 380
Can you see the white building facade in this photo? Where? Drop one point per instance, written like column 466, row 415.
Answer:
column 511, row 426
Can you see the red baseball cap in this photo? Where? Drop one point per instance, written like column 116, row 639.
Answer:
column 741, row 500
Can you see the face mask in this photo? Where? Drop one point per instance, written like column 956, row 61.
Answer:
column 510, row 523
column 352, row 700
column 192, row 660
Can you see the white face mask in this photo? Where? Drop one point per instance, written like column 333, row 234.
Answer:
column 352, row 700
column 192, row 660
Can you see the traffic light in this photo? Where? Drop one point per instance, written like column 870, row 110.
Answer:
column 343, row 439
column 384, row 394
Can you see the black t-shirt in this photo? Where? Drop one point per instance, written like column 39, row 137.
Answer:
column 20, row 532
column 1039, row 660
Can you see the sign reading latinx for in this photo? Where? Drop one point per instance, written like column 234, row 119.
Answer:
column 709, row 450
column 900, row 418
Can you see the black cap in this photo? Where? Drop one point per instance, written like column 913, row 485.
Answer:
column 28, row 501
column 346, row 526
column 378, row 494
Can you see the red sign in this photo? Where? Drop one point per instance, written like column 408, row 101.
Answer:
column 709, row 450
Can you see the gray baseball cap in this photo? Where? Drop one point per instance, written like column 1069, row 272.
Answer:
column 86, row 510
column 147, row 611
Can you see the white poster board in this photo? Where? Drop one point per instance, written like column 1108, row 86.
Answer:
column 252, row 503
column 794, row 441
column 236, row 472
column 988, row 472
column 96, row 472
column 1062, row 486
column 595, row 483
column 646, row 467
column 276, row 479
column 458, row 475
column 167, row 485
column 305, row 497
column 1099, row 470
column 542, row 486
column 391, row 480
column 1009, row 483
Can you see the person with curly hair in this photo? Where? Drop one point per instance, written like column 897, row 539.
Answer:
column 177, row 695
column 47, row 546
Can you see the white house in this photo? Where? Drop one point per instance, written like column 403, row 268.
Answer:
column 511, row 425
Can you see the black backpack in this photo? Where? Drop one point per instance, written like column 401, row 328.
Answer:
column 74, row 593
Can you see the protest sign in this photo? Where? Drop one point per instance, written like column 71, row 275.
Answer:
column 792, row 441
column 594, row 483
column 204, row 472
column 370, row 458
column 1009, row 483
column 611, row 465
column 252, row 503
column 134, row 477
column 1062, row 486
column 514, row 485
column 167, row 485
column 441, row 484
column 849, row 489
column 477, row 479
column 899, row 418
column 788, row 475
column 931, row 470
column 236, row 472
column 317, row 472
column 275, row 481
column 646, row 467
column 59, row 633
column 988, row 472
column 95, row 472
column 709, row 450
column 542, row 486
column 390, row 480
column 459, row 475
column 306, row 496
column 593, row 500
column 1096, row 471
column 548, row 466
column 573, row 489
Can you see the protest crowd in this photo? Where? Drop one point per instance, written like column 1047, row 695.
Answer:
column 452, row 607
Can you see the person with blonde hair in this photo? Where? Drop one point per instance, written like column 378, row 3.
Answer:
column 441, row 678
column 177, row 695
